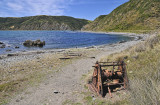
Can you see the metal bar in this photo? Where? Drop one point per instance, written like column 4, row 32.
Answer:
column 113, row 84
column 107, row 65
column 94, row 88
column 109, row 90
column 111, row 65
column 113, row 68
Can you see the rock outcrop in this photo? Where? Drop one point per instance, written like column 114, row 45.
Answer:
column 17, row 47
column 37, row 43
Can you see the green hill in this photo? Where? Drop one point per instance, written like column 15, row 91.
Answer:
column 133, row 15
column 42, row 22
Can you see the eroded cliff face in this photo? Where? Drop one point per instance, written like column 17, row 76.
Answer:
column 42, row 23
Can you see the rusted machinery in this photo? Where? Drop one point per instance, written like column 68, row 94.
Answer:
column 105, row 81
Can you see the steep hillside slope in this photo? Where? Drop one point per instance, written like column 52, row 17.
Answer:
column 42, row 23
column 133, row 15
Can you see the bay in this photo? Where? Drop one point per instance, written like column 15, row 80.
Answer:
column 56, row 39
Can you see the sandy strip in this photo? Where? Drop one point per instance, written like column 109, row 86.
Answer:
column 67, row 81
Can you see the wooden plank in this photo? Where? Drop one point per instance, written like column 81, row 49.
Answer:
column 64, row 58
column 107, row 62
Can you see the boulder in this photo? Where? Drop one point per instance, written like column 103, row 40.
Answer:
column 1, row 43
column 56, row 92
column 123, row 41
column 38, row 43
column 28, row 43
column 3, row 46
column 8, row 50
column 12, row 54
column 17, row 47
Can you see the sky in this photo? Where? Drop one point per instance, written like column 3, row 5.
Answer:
column 87, row 9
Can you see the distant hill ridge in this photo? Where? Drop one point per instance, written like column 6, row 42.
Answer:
column 42, row 22
column 132, row 15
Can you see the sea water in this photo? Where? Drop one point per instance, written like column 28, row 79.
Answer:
column 56, row 39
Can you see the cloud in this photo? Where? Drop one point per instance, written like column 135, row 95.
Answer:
column 33, row 7
column 14, row 6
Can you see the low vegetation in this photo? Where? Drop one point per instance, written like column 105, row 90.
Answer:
column 133, row 15
column 143, row 65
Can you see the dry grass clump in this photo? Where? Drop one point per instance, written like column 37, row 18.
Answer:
column 145, row 92
column 140, row 47
column 112, row 57
column 145, row 77
column 144, row 82
column 149, row 43
column 153, row 40
column 143, row 65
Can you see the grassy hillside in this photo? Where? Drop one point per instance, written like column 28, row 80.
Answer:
column 42, row 23
column 133, row 15
column 143, row 67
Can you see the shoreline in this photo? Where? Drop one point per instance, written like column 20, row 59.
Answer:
column 39, row 51
column 118, row 33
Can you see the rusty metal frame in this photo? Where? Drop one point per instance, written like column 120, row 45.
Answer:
column 97, row 84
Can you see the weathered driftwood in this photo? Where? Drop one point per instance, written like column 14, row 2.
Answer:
column 64, row 58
